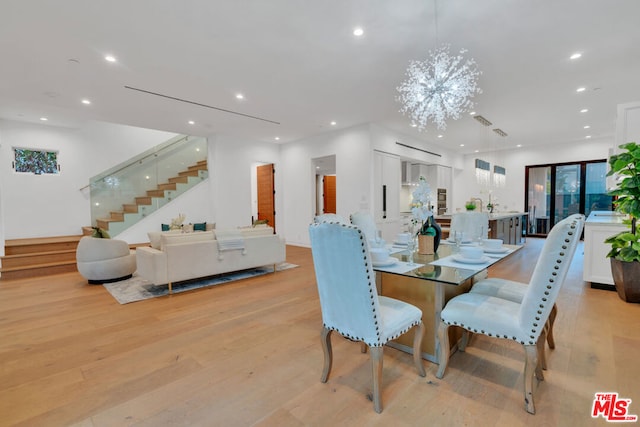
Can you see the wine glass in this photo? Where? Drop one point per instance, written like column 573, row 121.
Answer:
column 457, row 236
column 378, row 238
column 411, row 247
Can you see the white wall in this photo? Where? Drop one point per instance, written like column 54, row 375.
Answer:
column 511, row 197
column 233, row 159
column 54, row 205
column 353, row 177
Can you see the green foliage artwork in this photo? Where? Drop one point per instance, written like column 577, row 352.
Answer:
column 36, row 161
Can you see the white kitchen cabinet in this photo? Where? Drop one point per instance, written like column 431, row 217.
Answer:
column 599, row 226
column 386, row 193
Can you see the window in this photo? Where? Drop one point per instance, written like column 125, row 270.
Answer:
column 556, row 191
column 36, row 161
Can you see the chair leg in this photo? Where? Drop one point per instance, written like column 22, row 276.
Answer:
column 376, row 364
column 328, row 353
column 530, row 366
column 464, row 340
column 550, row 322
column 542, row 357
column 417, row 349
column 443, row 348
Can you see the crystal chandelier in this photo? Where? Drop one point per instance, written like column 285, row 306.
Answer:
column 439, row 88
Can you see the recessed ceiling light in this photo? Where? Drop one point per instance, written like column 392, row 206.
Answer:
column 476, row 151
column 44, row 119
column 413, row 125
column 575, row 55
column 440, row 136
column 588, row 137
column 239, row 96
column 86, row 102
column 519, row 145
column 191, row 122
column 461, row 145
column 581, row 89
column 110, row 58
column 584, row 110
column 333, row 123
column 358, row 31
column 473, row 113
column 277, row 138
column 587, row 126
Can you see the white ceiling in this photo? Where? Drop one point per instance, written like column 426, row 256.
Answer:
column 300, row 67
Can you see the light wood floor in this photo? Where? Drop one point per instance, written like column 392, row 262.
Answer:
column 248, row 353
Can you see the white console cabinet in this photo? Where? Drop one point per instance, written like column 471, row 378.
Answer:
column 599, row 226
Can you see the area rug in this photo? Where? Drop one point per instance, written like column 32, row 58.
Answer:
column 138, row 289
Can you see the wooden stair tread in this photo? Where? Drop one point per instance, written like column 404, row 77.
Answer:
column 36, row 266
column 36, row 254
column 41, row 240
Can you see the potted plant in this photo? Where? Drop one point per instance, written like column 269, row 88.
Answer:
column 429, row 231
column 625, row 246
column 470, row 206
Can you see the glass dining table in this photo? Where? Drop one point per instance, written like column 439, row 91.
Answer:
column 428, row 283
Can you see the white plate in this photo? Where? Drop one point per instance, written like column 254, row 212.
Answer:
column 388, row 262
column 462, row 259
column 495, row 251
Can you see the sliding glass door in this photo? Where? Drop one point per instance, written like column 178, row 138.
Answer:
column 555, row 191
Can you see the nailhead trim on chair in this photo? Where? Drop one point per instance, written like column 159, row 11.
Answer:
column 535, row 326
column 371, row 287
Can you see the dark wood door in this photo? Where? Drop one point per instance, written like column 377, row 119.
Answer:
column 329, row 194
column 266, row 194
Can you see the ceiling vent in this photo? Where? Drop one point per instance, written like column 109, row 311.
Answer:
column 500, row 132
column 482, row 120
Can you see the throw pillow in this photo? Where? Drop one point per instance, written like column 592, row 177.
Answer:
column 260, row 222
column 200, row 226
column 165, row 227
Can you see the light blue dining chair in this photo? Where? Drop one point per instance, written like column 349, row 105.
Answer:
column 350, row 304
column 521, row 321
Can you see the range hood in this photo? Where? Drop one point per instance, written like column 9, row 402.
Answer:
column 411, row 172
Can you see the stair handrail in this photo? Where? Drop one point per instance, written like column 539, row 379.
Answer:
column 152, row 152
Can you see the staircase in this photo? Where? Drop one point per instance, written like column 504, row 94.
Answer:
column 39, row 257
column 131, row 213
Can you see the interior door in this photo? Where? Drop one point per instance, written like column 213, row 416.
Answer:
column 266, row 194
column 329, row 194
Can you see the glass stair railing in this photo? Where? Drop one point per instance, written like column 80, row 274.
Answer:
column 125, row 194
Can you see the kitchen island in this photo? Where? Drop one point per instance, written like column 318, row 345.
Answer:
column 507, row 226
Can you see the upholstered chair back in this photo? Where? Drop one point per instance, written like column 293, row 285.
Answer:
column 365, row 222
column 548, row 275
column 346, row 282
column 473, row 224
column 330, row 217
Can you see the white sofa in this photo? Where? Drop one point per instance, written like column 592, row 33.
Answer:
column 175, row 257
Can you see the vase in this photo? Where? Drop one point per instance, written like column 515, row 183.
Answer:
column 426, row 245
column 431, row 223
column 626, row 277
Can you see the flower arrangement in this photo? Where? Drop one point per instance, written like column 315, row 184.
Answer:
column 421, row 207
column 176, row 223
